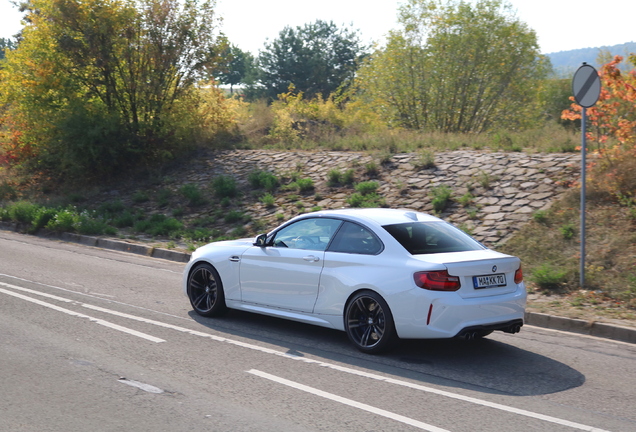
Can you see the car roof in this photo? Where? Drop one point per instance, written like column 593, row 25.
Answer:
column 381, row 216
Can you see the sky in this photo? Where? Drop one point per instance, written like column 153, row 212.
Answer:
column 560, row 25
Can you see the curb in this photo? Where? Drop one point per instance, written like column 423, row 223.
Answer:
column 590, row 328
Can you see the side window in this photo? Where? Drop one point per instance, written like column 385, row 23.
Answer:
column 353, row 238
column 310, row 234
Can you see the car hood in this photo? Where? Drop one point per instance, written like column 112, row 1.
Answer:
column 240, row 244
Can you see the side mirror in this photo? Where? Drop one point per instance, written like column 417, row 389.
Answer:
column 260, row 240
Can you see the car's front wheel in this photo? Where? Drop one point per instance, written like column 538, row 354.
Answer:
column 205, row 291
column 369, row 323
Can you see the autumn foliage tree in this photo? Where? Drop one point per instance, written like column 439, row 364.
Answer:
column 96, row 86
column 612, row 127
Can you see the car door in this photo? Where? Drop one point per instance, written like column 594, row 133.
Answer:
column 286, row 272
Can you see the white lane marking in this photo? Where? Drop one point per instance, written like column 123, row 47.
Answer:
column 30, row 291
column 94, row 296
column 351, row 371
column 79, row 315
column 388, row 414
column 145, row 387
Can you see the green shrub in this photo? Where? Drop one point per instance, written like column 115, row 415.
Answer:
column 301, row 185
column 163, row 197
column 159, row 225
column 540, row 216
column 234, row 216
column 466, row 199
column 126, row 219
column 372, row 169
column 22, row 212
column 42, row 217
column 269, row 200
column 87, row 224
column 485, row 179
column 333, row 177
column 568, row 230
column 368, row 200
column 441, row 195
column 111, row 208
column 193, row 194
column 198, row 235
column 425, row 160
column 225, row 187
column 336, row 177
column 140, row 197
column 64, row 220
column 263, row 180
column 367, row 187
column 547, row 277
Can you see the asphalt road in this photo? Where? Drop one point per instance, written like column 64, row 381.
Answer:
column 97, row 340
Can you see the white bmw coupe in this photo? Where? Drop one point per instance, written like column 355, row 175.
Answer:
column 377, row 274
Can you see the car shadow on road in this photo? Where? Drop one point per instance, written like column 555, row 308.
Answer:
column 486, row 365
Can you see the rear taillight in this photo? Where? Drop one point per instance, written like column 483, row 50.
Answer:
column 519, row 275
column 437, row 281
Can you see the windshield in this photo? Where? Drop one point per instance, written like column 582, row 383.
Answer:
column 432, row 237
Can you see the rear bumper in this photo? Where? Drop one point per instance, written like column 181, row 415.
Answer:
column 471, row 332
column 449, row 315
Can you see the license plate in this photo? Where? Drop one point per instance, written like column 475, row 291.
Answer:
column 489, row 281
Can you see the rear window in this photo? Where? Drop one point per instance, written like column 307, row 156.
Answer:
column 432, row 237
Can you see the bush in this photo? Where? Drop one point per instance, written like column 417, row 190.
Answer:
column 64, row 220
column 87, row 224
column 547, row 277
column 269, row 200
column 22, row 212
column 568, row 231
column 441, row 195
column 225, row 187
column 367, row 188
column 159, row 225
column 42, row 217
column 336, row 177
column 302, row 185
column 425, row 160
column 126, row 219
column 263, row 180
column 366, row 200
column 234, row 216
column 193, row 194
column 540, row 216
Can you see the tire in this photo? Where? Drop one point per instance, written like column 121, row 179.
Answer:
column 205, row 291
column 369, row 323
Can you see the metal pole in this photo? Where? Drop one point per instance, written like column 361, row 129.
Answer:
column 583, row 167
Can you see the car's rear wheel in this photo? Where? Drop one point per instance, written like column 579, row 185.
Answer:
column 205, row 291
column 369, row 323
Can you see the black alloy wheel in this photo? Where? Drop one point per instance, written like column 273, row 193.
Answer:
column 369, row 323
column 205, row 291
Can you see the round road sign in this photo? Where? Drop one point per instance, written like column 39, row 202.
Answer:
column 586, row 86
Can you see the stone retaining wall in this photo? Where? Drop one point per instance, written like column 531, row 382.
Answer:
column 507, row 188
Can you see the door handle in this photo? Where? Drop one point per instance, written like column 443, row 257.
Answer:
column 311, row 258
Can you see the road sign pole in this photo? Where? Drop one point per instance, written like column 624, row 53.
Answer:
column 586, row 87
column 583, row 175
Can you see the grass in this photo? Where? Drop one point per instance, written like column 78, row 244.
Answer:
column 550, row 251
